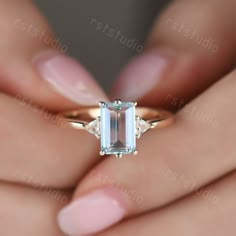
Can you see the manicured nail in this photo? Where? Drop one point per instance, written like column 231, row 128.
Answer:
column 141, row 76
column 69, row 78
column 91, row 213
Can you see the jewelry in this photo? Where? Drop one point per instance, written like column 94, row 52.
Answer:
column 118, row 124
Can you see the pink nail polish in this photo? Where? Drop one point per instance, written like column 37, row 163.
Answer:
column 141, row 76
column 69, row 78
column 91, row 213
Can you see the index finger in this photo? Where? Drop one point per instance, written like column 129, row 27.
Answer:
column 191, row 47
column 33, row 65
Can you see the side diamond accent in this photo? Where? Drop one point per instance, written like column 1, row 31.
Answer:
column 94, row 127
column 141, row 126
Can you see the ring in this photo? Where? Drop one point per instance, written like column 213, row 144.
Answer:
column 118, row 124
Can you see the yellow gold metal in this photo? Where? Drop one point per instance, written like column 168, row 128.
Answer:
column 119, row 155
column 101, row 104
column 118, row 101
column 136, row 153
column 158, row 118
column 102, row 153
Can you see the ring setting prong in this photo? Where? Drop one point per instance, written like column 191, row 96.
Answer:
column 102, row 153
column 101, row 104
column 119, row 155
column 118, row 101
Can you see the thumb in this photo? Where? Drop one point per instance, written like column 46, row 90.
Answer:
column 32, row 65
column 190, row 47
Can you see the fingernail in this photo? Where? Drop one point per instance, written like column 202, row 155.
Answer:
column 91, row 213
column 141, row 75
column 69, row 78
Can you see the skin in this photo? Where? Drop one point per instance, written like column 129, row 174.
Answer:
column 38, row 185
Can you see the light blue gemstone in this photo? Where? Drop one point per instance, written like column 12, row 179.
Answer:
column 118, row 134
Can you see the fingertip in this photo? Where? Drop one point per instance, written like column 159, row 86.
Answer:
column 68, row 78
column 92, row 212
column 143, row 74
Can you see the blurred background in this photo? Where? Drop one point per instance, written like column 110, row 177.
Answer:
column 102, row 34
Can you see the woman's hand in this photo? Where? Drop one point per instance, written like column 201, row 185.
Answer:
column 174, row 162
column 41, row 161
column 185, row 177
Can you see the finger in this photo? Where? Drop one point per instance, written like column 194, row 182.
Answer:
column 35, row 144
column 27, row 212
column 33, row 66
column 189, row 49
column 171, row 163
column 210, row 212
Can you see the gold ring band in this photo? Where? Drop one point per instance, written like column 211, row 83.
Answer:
column 118, row 124
column 158, row 118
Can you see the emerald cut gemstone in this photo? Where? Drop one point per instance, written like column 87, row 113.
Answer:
column 118, row 128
